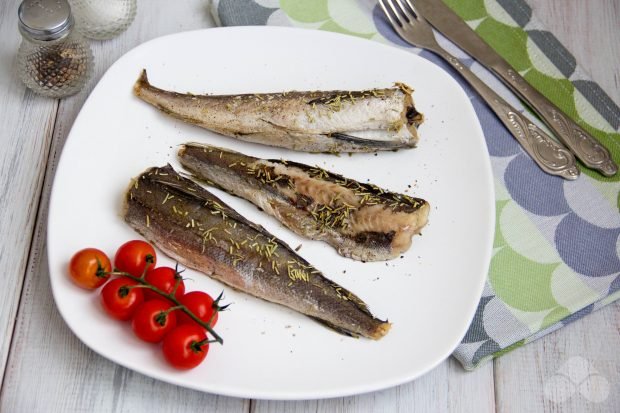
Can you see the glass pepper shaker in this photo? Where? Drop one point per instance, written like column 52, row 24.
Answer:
column 103, row 19
column 53, row 60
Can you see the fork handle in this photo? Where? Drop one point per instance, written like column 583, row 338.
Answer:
column 581, row 143
column 551, row 156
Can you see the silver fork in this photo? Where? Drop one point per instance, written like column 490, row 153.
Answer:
column 551, row 156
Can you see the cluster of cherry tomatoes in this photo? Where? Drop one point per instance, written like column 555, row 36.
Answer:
column 153, row 298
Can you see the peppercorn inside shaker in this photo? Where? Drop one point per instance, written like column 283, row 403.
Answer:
column 53, row 59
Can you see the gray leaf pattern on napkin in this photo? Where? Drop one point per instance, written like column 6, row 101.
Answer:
column 243, row 13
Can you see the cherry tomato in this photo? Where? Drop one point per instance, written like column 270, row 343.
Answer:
column 182, row 348
column 201, row 304
column 118, row 300
column 150, row 321
column 89, row 268
column 134, row 256
column 164, row 278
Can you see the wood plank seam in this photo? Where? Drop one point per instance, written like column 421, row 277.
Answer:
column 32, row 237
column 495, row 387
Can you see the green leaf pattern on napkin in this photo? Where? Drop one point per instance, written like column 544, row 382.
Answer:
column 519, row 48
column 340, row 16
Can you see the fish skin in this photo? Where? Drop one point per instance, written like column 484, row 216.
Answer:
column 328, row 121
column 372, row 224
column 200, row 231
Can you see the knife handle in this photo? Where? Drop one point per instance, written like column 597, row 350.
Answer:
column 581, row 143
column 551, row 156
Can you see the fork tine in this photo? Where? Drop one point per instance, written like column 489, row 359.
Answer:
column 393, row 15
column 413, row 9
column 403, row 12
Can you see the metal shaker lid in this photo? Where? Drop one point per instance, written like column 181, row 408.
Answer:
column 45, row 19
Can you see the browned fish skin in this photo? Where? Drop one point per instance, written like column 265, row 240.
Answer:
column 200, row 231
column 331, row 121
column 362, row 221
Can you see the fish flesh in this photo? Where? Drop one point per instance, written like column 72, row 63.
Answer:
column 360, row 220
column 320, row 121
column 197, row 229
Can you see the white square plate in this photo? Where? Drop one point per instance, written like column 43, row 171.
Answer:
column 271, row 352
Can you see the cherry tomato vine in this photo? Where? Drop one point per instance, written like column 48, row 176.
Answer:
column 153, row 298
column 170, row 296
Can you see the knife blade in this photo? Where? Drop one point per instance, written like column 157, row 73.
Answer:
column 587, row 149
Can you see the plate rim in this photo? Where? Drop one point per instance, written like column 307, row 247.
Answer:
column 274, row 395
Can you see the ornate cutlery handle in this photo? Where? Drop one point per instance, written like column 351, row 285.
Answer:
column 552, row 157
column 584, row 146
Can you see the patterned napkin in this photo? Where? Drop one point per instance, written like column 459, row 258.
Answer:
column 556, row 250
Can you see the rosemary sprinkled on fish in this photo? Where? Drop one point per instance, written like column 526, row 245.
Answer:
column 326, row 121
column 168, row 196
column 217, row 241
column 361, row 220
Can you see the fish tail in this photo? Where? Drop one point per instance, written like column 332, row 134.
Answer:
column 141, row 84
column 381, row 330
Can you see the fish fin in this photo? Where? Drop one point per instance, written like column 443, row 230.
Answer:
column 345, row 137
column 336, row 328
column 367, row 142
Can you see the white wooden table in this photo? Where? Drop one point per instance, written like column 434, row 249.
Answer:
column 45, row 368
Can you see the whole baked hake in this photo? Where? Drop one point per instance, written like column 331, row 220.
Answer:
column 197, row 229
column 360, row 220
column 320, row 121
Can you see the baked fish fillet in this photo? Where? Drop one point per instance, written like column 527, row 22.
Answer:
column 360, row 220
column 334, row 121
column 200, row 231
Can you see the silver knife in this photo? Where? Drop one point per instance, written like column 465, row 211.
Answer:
column 581, row 143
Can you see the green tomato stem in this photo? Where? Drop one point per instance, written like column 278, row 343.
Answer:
column 101, row 272
column 201, row 343
column 178, row 278
column 161, row 317
column 171, row 297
